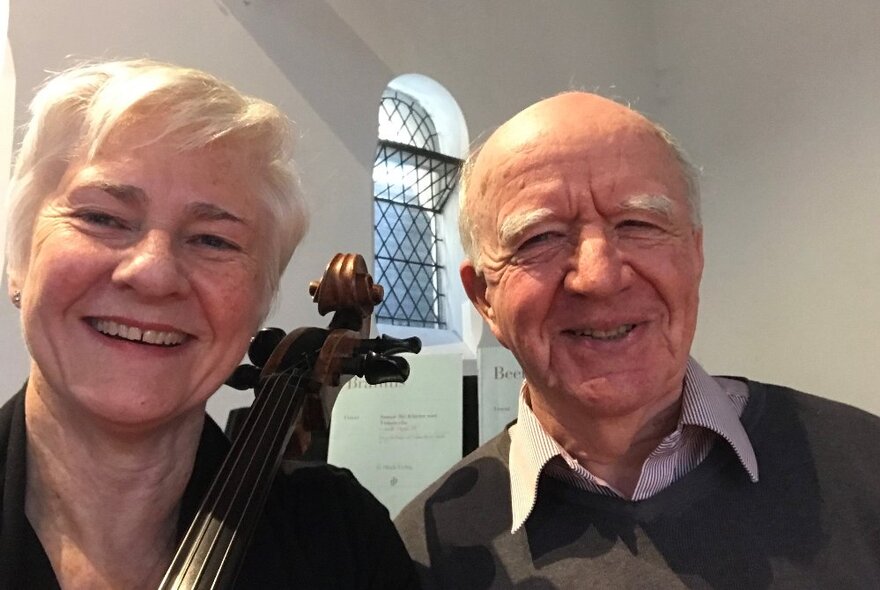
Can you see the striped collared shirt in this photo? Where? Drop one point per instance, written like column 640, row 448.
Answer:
column 710, row 409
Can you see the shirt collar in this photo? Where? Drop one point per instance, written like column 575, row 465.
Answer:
column 717, row 404
column 707, row 402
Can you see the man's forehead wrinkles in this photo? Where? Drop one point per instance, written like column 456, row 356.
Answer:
column 557, row 167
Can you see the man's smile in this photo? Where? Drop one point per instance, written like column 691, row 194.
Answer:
column 612, row 334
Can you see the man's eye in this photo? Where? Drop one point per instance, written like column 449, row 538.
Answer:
column 215, row 242
column 638, row 225
column 635, row 223
column 538, row 239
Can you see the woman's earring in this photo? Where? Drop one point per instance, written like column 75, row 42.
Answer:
column 16, row 299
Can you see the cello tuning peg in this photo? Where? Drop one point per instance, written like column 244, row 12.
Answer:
column 385, row 344
column 386, row 369
column 244, row 377
column 376, row 369
column 263, row 344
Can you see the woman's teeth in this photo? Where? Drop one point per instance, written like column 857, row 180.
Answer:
column 134, row 334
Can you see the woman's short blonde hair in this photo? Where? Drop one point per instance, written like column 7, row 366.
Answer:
column 75, row 112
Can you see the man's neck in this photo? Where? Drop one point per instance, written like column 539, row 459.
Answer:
column 611, row 448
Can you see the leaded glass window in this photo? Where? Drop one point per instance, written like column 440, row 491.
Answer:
column 412, row 181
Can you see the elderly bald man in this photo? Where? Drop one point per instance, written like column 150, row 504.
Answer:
column 629, row 466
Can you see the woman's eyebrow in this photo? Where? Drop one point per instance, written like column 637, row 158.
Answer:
column 212, row 212
column 131, row 194
column 124, row 192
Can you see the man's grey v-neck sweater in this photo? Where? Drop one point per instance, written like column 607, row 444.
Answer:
column 812, row 521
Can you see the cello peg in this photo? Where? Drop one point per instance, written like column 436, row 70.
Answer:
column 376, row 369
column 263, row 344
column 244, row 377
column 385, row 344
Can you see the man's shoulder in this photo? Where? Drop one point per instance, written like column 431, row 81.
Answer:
column 840, row 441
column 778, row 402
column 481, row 478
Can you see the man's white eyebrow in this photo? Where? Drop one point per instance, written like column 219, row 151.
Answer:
column 513, row 225
column 651, row 203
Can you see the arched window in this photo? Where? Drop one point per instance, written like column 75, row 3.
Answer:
column 412, row 181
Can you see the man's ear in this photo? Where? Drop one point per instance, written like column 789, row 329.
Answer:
column 698, row 245
column 474, row 284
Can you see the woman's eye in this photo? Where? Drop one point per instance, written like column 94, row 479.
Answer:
column 215, row 242
column 101, row 219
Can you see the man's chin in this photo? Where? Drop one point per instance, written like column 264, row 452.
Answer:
column 614, row 394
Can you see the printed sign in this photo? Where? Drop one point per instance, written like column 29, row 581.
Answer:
column 500, row 379
column 399, row 437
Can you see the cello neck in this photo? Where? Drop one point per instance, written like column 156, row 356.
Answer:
column 211, row 552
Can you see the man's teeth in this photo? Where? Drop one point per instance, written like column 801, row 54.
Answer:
column 112, row 328
column 614, row 334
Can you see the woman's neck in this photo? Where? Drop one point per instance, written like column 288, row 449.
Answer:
column 105, row 506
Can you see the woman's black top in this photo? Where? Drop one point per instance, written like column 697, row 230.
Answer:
column 321, row 528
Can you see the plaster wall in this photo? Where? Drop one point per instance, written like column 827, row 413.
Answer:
column 777, row 101
column 325, row 63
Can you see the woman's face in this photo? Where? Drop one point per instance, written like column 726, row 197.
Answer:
column 146, row 281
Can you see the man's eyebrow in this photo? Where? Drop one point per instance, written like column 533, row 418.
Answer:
column 513, row 225
column 652, row 203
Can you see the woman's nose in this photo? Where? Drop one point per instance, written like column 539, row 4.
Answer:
column 152, row 267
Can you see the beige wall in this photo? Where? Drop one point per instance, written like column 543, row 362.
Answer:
column 778, row 102
column 775, row 100
column 326, row 63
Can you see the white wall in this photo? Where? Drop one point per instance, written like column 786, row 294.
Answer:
column 326, row 63
column 778, row 101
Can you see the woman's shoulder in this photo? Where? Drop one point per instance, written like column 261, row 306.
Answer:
column 338, row 528
column 323, row 487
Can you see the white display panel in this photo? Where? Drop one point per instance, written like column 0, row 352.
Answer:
column 500, row 379
column 399, row 437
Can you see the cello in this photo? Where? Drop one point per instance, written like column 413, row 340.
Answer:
column 297, row 377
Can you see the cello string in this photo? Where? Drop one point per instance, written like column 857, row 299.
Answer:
column 244, row 448
column 250, row 501
column 199, row 527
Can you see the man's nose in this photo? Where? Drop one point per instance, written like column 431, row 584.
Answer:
column 152, row 267
column 597, row 267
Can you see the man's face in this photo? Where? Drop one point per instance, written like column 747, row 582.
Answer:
column 591, row 263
